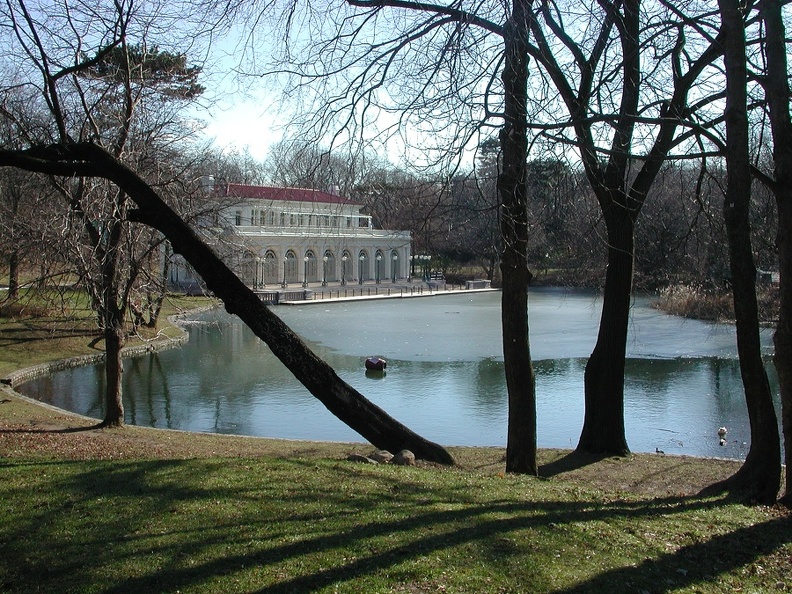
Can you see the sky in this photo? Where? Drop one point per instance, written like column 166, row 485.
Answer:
column 243, row 115
column 240, row 124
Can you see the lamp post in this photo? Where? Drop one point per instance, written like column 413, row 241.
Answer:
column 257, row 280
column 377, row 271
column 324, row 271
column 427, row 268
column 343, row 269
column 305, row 272
column 393, row 267
column 284, row 284
column 360, row 269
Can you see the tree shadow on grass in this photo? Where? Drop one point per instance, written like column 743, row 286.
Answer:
column 693, row 564
column 337, row 524
column 574, row 460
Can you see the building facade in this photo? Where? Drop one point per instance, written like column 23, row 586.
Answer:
column 279, row 237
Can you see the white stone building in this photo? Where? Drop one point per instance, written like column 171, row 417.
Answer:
column 279, row 237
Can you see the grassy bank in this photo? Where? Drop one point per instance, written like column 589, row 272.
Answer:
column 145, row 510
column 32, row 333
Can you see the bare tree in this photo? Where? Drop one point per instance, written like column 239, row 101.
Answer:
column 598, row 73
column 759, row 477
column 776, row 86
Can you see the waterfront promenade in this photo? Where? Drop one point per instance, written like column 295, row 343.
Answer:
column 297, row 294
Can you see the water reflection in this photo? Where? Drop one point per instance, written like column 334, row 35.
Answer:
column 444, row 377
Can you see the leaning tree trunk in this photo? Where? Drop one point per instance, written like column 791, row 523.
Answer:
column 758, row 479
column 520, row 381
column 317, row 376
column 777, row 91
column 603, row 422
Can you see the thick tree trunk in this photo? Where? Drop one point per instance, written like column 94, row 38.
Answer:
column 760, row 475
column 520, row 381
column 777, row 92
column 318, row 377
column 114, row 406
column 782, row 339
column 603, row 422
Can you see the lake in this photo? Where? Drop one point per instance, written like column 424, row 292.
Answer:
column 444, row 377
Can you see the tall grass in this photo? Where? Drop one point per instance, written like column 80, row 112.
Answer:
column 703, row 302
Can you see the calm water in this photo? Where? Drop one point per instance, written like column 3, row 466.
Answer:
column 444, row 378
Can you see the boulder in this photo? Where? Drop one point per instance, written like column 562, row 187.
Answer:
column 404, row 458
column 361, row 459
column 382, row 456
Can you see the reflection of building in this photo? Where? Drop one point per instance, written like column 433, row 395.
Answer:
column 280, row 236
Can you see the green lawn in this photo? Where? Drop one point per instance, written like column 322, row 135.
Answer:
column 304, row 525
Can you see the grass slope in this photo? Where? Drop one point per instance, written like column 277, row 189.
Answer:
column 322, row 525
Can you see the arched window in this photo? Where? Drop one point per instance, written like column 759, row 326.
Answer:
column 379, row 265
column 395, row 265
column 270, row 272
column 248, row 270
column 290, row 267
column 310, row 271
column 363, row 266
column 329, row 272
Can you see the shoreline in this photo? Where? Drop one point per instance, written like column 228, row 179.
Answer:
column 31, row 428
column 25, row 374
column 179, row 320
column 20, row 376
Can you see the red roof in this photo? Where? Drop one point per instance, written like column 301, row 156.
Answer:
column 291, row 194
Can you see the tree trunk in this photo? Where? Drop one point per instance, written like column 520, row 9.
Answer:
column 13, row 274
column 603, row 422
column 760, row 475
column 114, row 406
column 13, row 260
column 520, row 381
column 782, row 339
column 111, row 310
column 777, row 92
column 155, row 301
column 351, row 407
